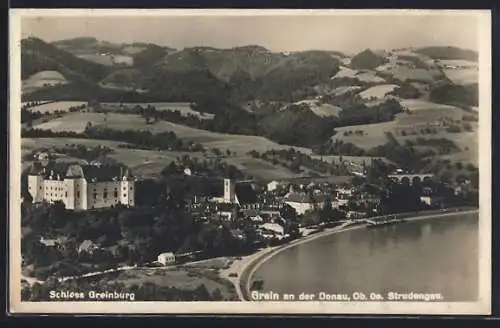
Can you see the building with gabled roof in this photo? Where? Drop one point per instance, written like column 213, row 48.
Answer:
column 240, row 193
column 81, row 187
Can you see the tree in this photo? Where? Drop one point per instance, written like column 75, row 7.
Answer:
column 235, row 214
column 357, row 181
column 288, row 213
column 326, row 211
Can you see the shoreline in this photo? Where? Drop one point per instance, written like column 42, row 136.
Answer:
column 252, row 263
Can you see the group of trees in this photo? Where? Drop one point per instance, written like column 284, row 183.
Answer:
column 145, row 139
column 452, row 94
column 83, row 152
column 208, row 168
column 294, row 160
column 124, row 235
column 164, row 140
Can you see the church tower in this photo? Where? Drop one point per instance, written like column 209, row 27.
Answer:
column 229, row 191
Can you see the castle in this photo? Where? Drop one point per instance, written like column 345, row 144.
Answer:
column 81, row 187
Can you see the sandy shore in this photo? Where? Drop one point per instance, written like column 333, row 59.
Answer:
column 248, row 265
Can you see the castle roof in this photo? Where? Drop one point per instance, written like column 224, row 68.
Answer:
column 88, row 172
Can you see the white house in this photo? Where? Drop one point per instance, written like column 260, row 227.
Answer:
column 166, row 258
column 273, row 185
column 274, row 227
column 302, row 202
column 427, row 200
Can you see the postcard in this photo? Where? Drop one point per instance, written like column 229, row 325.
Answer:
column 250, row 161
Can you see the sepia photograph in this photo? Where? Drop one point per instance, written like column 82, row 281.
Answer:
column 250, row 161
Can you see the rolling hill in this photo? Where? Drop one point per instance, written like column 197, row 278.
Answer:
column 304, row 98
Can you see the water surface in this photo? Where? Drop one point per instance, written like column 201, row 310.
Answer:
column 428, row 256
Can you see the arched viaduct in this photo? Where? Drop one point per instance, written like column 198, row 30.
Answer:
column 411, row 178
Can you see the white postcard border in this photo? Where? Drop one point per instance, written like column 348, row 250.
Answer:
column 482, row 306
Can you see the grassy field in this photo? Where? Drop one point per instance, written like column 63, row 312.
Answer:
column 108, row 60
column 261, row 169
column 145, row 163
column 183, row 107
column 149, row 163
column 322, row 110
column 461, row 71
column 462, row 76
column 378, row 91
column 181, row 278
column 364, row 76
column 374, row 134
column 236, row 143
column 420, row 104
column 421, row 112
column 369, row 76
column 51, row 107
column 41, row 79
column 470, row 156
column 404, row 73
column 352, row 159
column 345, row 72
column 341, row 90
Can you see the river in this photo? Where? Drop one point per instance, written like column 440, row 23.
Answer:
column 438, row 255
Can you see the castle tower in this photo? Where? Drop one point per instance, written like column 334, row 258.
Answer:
column 127, row 192
column 35, row 187
column 229, row 191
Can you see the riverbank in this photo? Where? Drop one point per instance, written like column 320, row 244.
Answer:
column 249, row 265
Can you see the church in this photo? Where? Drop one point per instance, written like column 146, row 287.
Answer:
column 81, row 187
column 238, row 193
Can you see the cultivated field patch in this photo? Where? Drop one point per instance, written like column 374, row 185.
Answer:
column 462, row 76
column 322, row 110
column 62, row 106
column 261, row 169
column 373, row 134
column 378, row 91
column 108, row 60
column 43, row 79
column 144, row 163
column 183, row 107
column 358, row 160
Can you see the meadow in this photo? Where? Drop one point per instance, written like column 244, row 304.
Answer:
column 42, row 79
column 421, row 113
column 378, row 91
column 357, row 160
column 364, row 76
column 51, row 107
column 462, row 76
column 183, row 107
column 236, row 143
column 404, row 73
column 322, row 110
column 149, row 163
column 108, row 60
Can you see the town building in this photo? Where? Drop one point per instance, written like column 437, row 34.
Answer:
column 238, row 193
column 88, row 247
column 273, row 228
column 273, row 185
column 166, row 258
column 81, row 187
column 303, row 202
